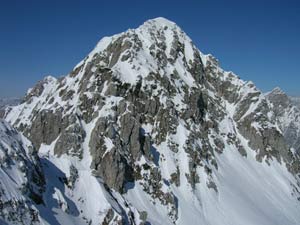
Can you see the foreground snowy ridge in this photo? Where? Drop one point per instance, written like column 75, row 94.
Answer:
column 148, row 130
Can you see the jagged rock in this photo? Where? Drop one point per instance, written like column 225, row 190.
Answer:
column 287, row 116
column 175, row 177
column 46, row 127
column 115, row 171
column 73, row 176
column 6, row 103
column 70, row 141
column 109, row 217
column 130, row 134
column 143, row 216
column 21, row 178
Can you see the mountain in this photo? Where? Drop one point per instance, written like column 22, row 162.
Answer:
column 287, row 115
column 295, row 101
column 9, row 102
column 6, row 102
column 148, row 130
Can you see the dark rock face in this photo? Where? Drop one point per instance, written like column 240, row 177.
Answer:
column 2, row 113
column 115, row 171
column 46, row 127
column 70, row 141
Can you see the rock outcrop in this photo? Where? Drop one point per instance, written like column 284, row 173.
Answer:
column 287, row 115
column 21, row 178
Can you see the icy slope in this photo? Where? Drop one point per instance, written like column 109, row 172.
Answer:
column 21, row 181
column 148, row 130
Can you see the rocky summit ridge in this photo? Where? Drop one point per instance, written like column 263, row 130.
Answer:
column 295, row 100
column 287, row 114
column 7, row 102
column 148, row 130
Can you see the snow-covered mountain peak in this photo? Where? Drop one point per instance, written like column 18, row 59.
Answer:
column 279, row 99
column 162, row 133
column 154, row 47
column 161, row 25
column 287, row 115
column 160, row 22
column 277, row 90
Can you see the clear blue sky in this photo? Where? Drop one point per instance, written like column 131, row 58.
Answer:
column 259, row 39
